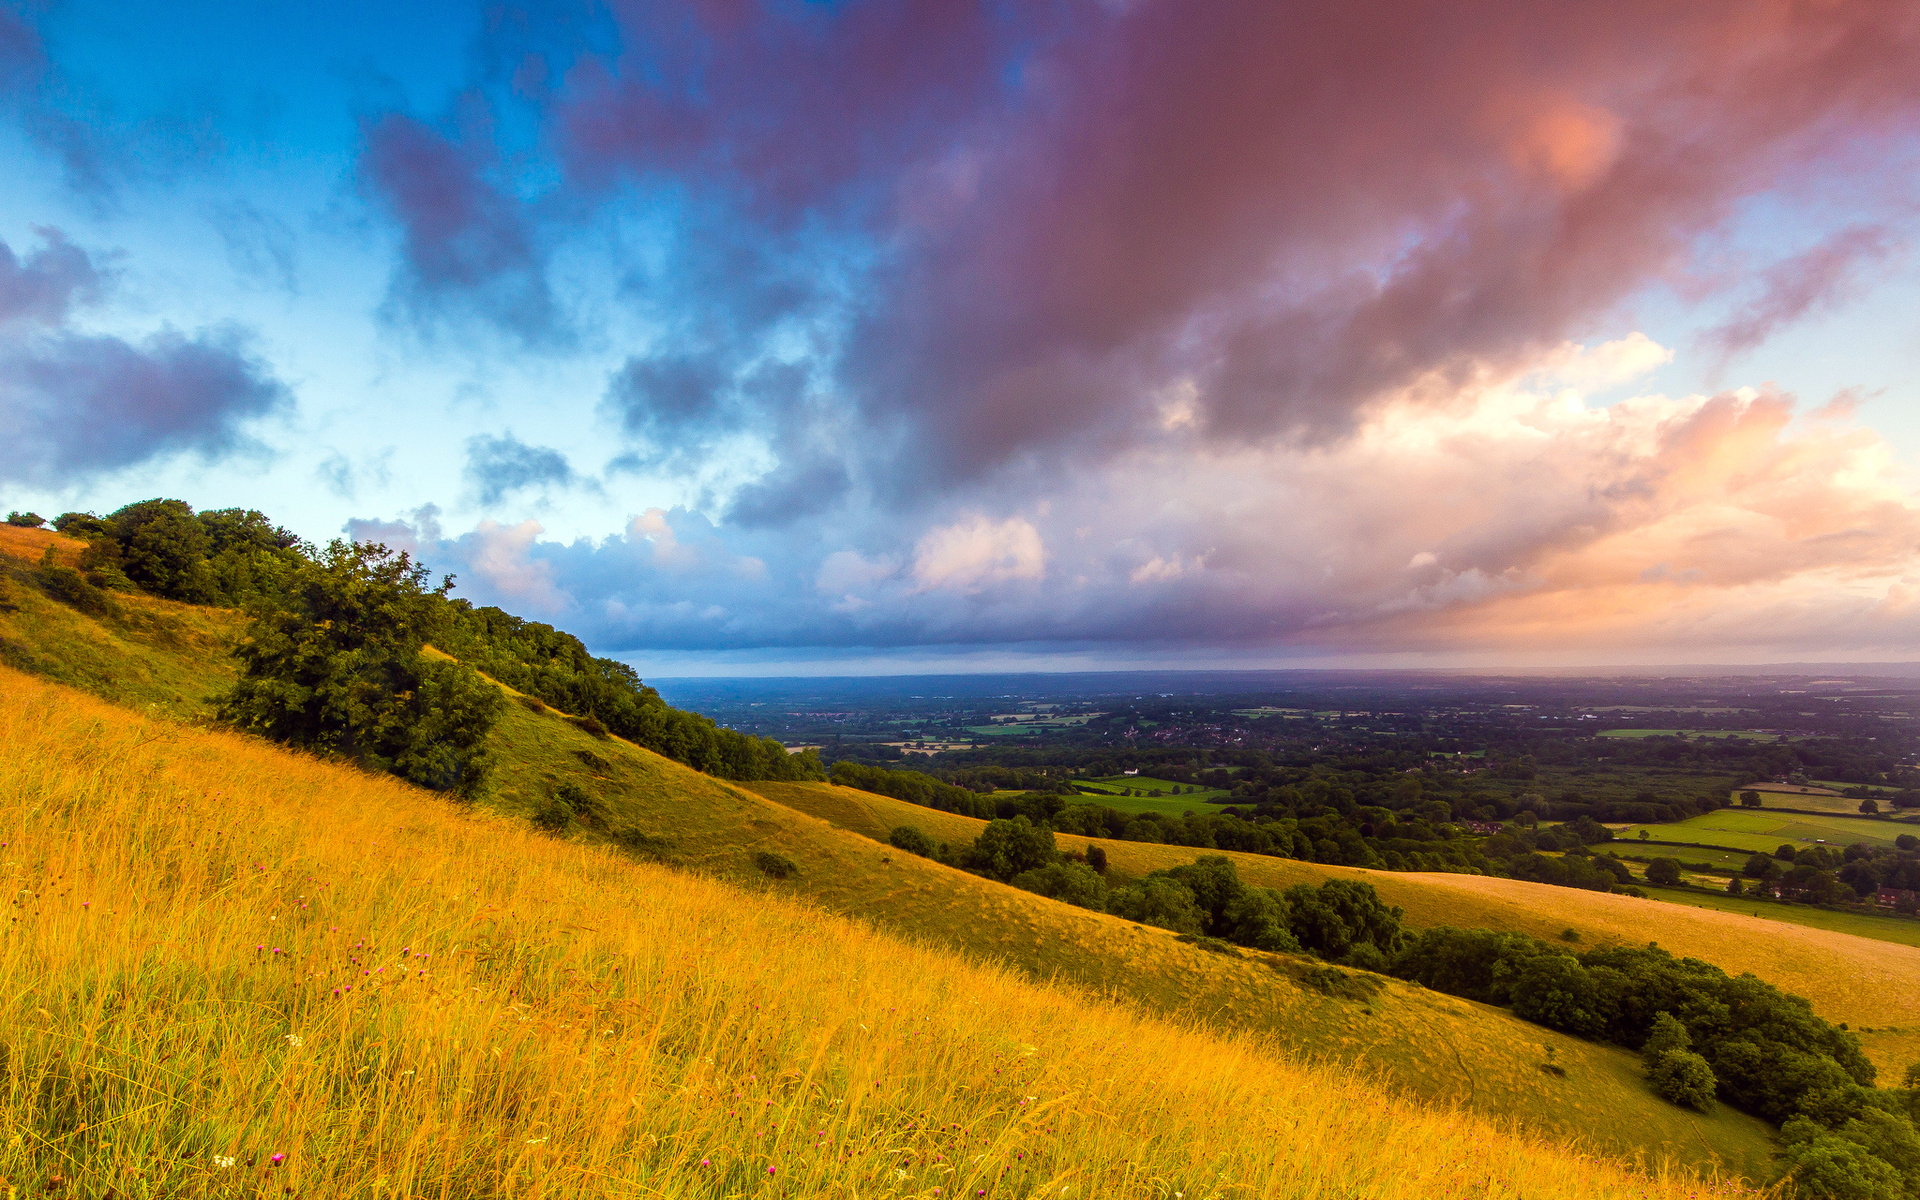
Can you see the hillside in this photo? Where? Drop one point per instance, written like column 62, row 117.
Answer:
column 1864, row 982
column 1432, row 1045
column 241, row 971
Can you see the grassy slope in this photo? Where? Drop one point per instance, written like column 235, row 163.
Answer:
column 237, row 971
column 146, row 652
column 1857, row 980
column 1435, row 1046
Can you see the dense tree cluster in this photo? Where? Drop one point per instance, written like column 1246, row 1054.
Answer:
column 337, row 662
column 296, row 684
column 1702, row 1033
column 557, row 668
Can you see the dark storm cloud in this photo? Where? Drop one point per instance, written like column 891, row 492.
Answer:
column 1049, row 214
column 499, row 466
column 77, row 404
column 468, row 245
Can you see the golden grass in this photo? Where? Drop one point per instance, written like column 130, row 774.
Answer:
column 1868, row 983
column 31, row 544
column 1427, row 1044
column 219, row 953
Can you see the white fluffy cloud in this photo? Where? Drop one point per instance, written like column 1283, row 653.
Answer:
column 975, row 553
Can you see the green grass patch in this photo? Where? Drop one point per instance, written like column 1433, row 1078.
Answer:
column 1739, row 734
column 1902, row 931
column 1761, row 830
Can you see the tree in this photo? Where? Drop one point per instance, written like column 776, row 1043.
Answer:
column 1157, row 900
column 1735, row 887
column 1869, row 807
column 1071, row 882
column 25, row 520
column 1760, row 866
column 1907, row 841
column 1009, row 847
column 1097, row 858
column 1684, row 1078
column 907, row 838
column 1665, row 871
column 1331, row 918
column 1785, row 853
column 161, row 548
column 336, row 664
column 1750, row 799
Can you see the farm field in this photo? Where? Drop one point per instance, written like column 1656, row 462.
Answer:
column 1859, row 980
column 1731, row 860
column 1822, row 802
column 1741, row 734
column 532, row 989
column 1118, row 785
column 1760, row 830
column 1904, row 931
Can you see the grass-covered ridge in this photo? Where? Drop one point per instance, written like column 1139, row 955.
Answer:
column 240, row 971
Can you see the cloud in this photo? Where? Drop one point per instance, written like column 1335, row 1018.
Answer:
column 468, row 247
column 975, row 552
column 499, row 466
column 1519, row 517
column 1806, row 283
column 77, row 404
column 50, row 282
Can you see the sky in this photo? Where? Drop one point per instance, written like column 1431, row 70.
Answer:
column 842, row 336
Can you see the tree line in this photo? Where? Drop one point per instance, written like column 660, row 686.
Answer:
column 335, row 656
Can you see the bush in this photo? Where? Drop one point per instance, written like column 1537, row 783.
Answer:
column 1073, row 883
column 1157, row 900
column 775, row 866
column 907, row 838
column 336, row 664
column 554, row 814
column 163, row 549
column 1011, row 847
column 1366, row 956
column 1097, row 858
column 80, row 525
column 1750, row 798
column 1907, row 841
column 1331, row 919
column 1664, row 871
column 1684, row 1078
column 25, row 520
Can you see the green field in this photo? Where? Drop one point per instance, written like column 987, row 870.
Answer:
column 1760, row 830
column 1118, row 785
column 1813, row 802
column 1904, row 931
column 1727, row 860
column 1745, row 735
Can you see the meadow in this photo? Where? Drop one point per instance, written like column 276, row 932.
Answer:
column 1117, row 786
column 1814, row 802
column 1762, row 831
column 1737, row 734
column 1904, row 931
column 243, row 972
column 1865, row 982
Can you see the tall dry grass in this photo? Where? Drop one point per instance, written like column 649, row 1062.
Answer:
column 233, row 971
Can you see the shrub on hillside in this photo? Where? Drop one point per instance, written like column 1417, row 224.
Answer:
column 1070, row 882
column 1339, row 914
column 25, row 520
column 906, row 837
column 1007, row 848
column 1684, row 1078
column 775, row 866
column 1157, row 900
column 337, row 665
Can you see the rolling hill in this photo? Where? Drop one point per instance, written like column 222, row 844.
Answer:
column 171, row 658
column 1864, row 982
column 238, row 971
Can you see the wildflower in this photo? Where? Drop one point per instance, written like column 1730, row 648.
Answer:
column 277, row 1159
column 293, row 1039
column 222, row 1161
column 769, row 1170
column 706, row 1162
